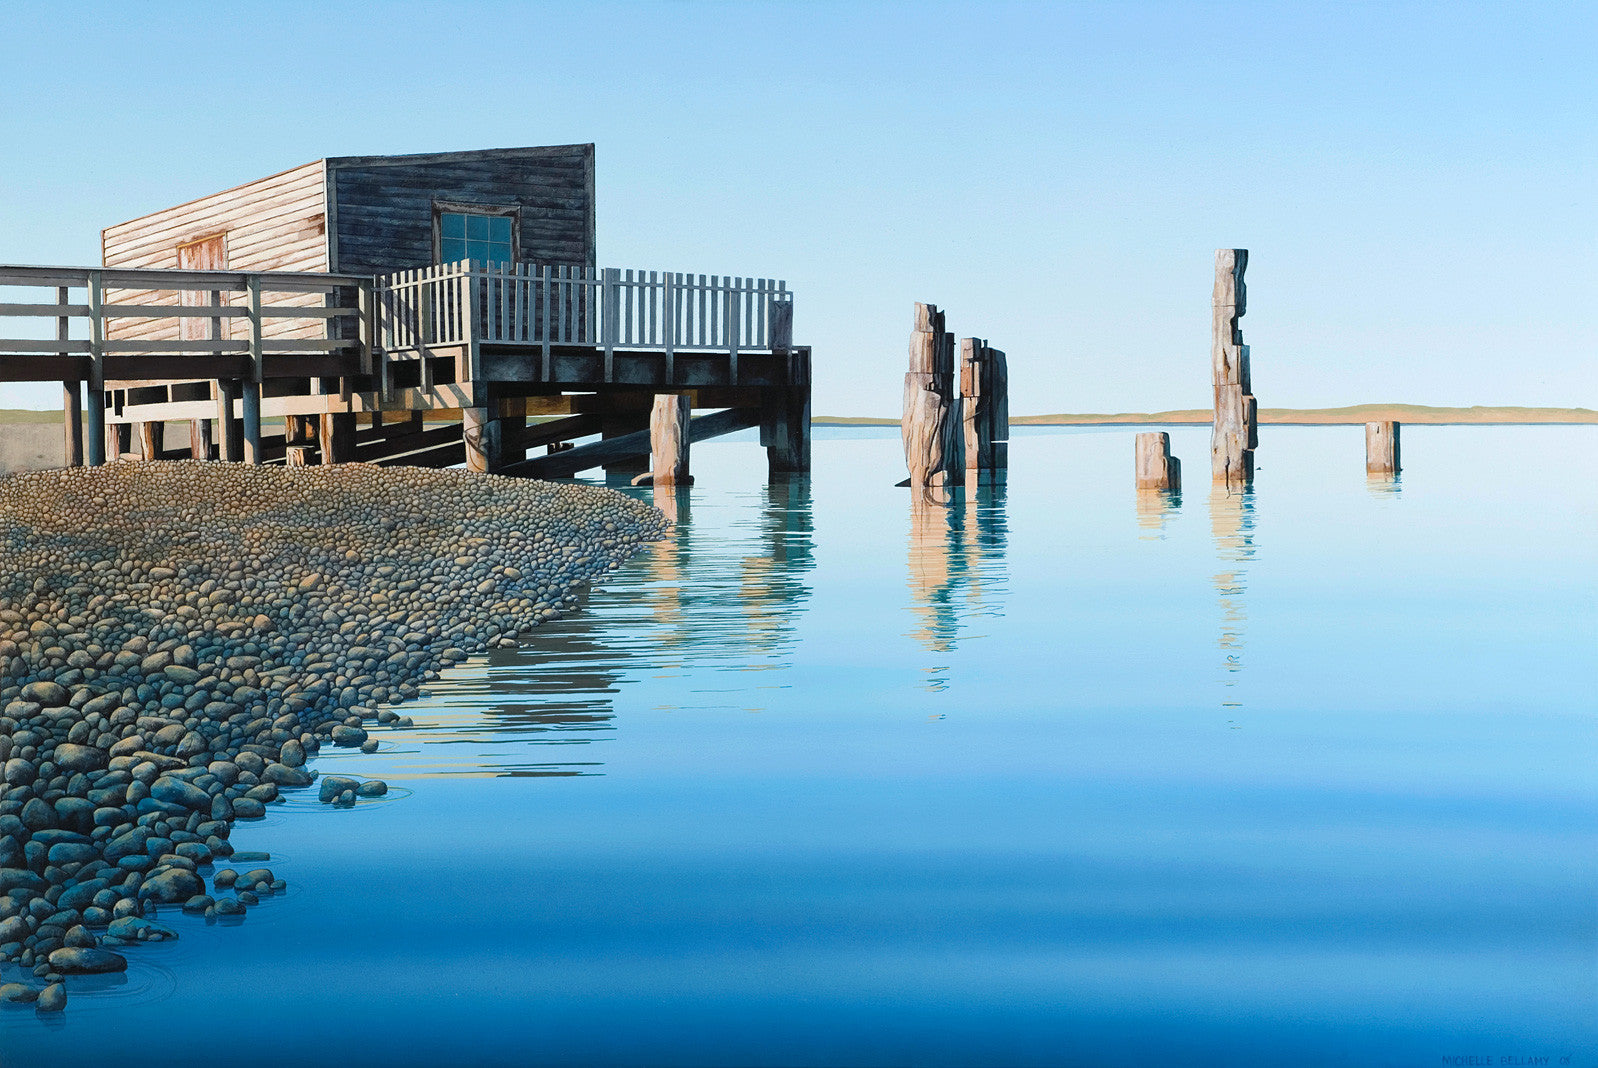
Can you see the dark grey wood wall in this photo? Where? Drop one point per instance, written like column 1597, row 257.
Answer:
column 380, row 208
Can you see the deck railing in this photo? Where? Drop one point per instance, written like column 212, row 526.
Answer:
column 606, row 309
column 90, row 342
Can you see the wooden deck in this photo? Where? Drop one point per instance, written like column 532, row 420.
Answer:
column 475, row 351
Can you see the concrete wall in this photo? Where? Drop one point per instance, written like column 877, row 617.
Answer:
column 31, row 447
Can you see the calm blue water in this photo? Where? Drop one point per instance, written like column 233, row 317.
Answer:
column 1307, row 776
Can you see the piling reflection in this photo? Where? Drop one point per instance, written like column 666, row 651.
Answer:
column 1154, row 509
column 1232, row 529
column 1383, row 484
column 956, row 569
column 726, row 596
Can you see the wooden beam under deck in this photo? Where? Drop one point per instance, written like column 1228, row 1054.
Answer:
column 568, row 463
column 581, row 367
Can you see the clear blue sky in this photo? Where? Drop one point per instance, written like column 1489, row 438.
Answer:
column 1417, row 183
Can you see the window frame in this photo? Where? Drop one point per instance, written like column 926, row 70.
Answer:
column 460, row 207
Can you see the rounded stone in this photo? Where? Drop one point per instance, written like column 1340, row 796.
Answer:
column 53, row 998
column 71, row 960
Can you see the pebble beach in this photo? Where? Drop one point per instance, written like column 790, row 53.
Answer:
column 178, row 641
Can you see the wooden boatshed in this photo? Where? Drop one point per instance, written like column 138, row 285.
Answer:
column 425, row 309
column 364, row 215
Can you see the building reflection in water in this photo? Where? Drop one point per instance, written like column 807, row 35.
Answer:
column 726, row 597
column 956, row 570
column 1232, row 529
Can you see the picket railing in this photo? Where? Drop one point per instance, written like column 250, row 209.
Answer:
column 98, row 336
column 606, row 309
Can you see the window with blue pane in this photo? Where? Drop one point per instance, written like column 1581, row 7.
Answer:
column 464, row 235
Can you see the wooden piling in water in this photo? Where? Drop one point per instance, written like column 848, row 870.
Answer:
column 1381, row 448
column 1157, row 469
column 985, row 411
column 930, row 425
column 668, row 439
column 1236, row 433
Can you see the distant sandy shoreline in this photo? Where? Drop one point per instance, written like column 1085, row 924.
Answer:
column 1419, row 414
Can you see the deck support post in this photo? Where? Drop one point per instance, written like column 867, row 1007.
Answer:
column 337, row 437
column 118, row 440
column 229, row 432
column 480, row 431
column 785, row 418
column 512, row 430
column 668, row 439
column 250, row 396
column 1235, row 434
column 152, row 439
column 72, row 422
column 1157, row 469
column 1381, row 448
column 298, row 440
column 200, row 439
column 94, row 293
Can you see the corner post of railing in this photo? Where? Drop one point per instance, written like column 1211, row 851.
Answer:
column 95, row 387
column 730, row 322
column 473, row 323
column 781, row 325
column 609, row 318
column 251, row 387
column 545, row 323
column 668, row 324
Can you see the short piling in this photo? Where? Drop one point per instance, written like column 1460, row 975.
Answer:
column 1157, row 469
column 1381, row 448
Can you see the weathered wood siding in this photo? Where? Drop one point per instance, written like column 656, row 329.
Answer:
column 271, row 224
column 382, row 206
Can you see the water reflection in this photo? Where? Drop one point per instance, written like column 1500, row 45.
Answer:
column 503, row 713
column 1154, row 508
column 1232, row 530
column 1383, row 484
column 956, row 568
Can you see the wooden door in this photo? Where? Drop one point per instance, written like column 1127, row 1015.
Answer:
column 206, row 254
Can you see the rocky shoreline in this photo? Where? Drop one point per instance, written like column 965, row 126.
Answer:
column 178, row 640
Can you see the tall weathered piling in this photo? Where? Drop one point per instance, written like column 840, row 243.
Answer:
column 1157, row 469
column 931, row 425
column 985, row 410
column 1236, row 431
column 1381, row 448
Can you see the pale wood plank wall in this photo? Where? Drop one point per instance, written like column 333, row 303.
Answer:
column 272, row 224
